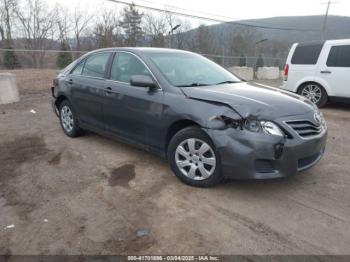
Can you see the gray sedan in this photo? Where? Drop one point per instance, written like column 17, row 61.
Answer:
column 205, row 121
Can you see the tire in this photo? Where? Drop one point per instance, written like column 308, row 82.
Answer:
column 69, row 120
column 315, row 93
column 194, row 163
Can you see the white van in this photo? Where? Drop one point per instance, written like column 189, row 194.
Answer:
column 319, row 71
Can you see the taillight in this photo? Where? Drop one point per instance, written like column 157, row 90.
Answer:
column 55, row 82
column 286, row 71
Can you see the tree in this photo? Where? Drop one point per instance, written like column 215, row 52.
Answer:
column 155, row 29
column 64, row 58
column 63, row 22
column 6, row 17
column 10, row 59
column 7, row 7
column 202, row 37
column 80, row 23
column 106, row 30
column 243, row 60
column 37, row 23
column 131, row 23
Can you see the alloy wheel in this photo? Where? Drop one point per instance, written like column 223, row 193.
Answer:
column 67, row 119
column 312, row 92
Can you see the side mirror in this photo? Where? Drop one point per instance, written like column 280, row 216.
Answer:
column 142, row 81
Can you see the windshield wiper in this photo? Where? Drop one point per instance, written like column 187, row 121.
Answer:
column 227, row 82
column 193, row 84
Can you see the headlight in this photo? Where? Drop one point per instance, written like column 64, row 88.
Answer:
column 271, row 129
column 263, row 126
column 320, row 119
column 252, row 125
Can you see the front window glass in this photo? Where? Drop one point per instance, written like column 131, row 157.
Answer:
column 125, row 66
column 339, row 56
column 188, row 69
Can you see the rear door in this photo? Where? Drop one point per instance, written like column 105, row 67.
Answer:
column 303, row 62
column 335, row 69
column 88, row 82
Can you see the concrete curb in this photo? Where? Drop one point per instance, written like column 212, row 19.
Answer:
column 8, row 89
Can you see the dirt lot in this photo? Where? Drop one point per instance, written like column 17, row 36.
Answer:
column 94, row 196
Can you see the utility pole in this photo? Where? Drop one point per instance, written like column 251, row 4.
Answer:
column 324, row 27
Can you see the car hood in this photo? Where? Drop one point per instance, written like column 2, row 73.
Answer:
column 252, row 99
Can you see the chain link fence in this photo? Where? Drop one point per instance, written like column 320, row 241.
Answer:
column 56, row 59
column 248, row 61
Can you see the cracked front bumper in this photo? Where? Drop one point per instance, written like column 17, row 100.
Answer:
column 247, row 155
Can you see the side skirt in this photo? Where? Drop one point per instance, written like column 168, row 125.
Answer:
column 115, row 137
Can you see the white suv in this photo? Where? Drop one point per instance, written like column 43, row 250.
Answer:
column 319, row 71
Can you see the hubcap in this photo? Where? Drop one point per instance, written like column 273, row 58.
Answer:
column 67, row 119
column 195, row 159
column 313, row 93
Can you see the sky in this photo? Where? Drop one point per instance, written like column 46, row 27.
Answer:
column 232, row 9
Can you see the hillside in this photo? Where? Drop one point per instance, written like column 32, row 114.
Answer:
column 234, row 39
column 337, row 27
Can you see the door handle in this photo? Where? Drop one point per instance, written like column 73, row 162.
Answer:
column 326, row 72
column 108, row 90
column 70, row 82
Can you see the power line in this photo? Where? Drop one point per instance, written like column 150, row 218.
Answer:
column 189, row 10
column 208, row 18
column 204, row 13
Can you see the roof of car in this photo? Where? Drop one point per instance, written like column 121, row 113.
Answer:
column 143, row 50
column 336, row 41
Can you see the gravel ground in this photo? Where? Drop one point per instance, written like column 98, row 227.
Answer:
column 91, row 195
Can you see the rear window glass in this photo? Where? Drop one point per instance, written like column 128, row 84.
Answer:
column 339, row 56
column 95, row 65
column 78, row 69
column 307, row 54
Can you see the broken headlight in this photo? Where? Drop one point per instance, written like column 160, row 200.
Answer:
column 263, row 126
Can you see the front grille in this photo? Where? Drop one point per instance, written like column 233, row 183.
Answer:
column 305, row 128
column 304, row 162
column 264, row 166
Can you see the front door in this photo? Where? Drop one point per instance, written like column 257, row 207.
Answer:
column 128, row 110
column 336, row 69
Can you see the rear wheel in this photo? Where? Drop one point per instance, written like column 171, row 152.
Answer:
column 193, row 158
column 68, row 120
column 315, row 93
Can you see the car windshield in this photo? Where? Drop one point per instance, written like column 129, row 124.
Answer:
column 188, row 69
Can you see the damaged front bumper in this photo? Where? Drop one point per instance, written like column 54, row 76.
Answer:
column 248, row 155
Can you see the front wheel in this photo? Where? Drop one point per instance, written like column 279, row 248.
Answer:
column 193, row 158
column 315, row 93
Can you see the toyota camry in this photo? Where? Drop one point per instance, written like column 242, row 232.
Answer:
column 208, row 123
